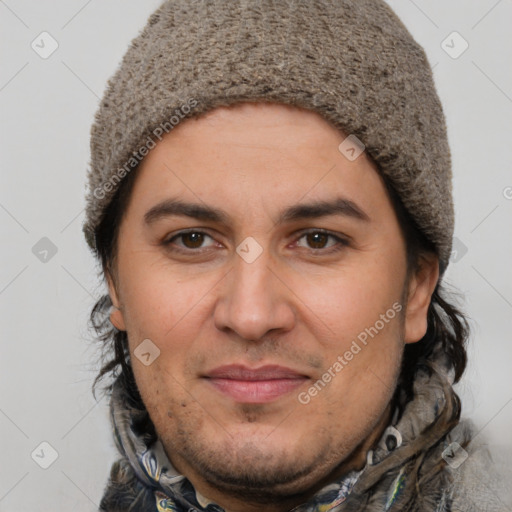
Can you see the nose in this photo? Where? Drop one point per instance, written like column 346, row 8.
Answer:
column 254, row 300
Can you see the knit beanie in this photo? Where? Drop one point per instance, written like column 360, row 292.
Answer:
column 351, row 61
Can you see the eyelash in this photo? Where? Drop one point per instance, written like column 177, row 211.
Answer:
column 341, row 242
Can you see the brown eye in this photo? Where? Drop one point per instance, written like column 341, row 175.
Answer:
column 187, row 240
column 192, row 240
column 317, row 240
column 322, row 241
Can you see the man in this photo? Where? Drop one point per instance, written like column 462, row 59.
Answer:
column 270, row 200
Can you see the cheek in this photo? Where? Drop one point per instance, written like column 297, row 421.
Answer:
column 171, row 310
column 158, row 300
column 363, row 345
column 355, row 389
column 352, row 299
column 166, row 399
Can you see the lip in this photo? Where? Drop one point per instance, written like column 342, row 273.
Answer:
column 255, row 385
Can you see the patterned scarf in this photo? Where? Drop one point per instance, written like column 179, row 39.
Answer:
column 405, row 471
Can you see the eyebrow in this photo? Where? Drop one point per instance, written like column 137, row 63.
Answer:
column 175, row 207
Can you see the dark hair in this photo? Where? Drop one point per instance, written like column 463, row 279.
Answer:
column 447, row 327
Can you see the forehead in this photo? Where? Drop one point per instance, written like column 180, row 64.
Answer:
column 273, row 124
column 269, row 154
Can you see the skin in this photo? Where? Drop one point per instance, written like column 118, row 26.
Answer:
column 300, row 304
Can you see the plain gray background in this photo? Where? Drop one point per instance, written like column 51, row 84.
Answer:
column 48, row 360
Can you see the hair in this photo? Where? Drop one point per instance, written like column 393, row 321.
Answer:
column 447, row 326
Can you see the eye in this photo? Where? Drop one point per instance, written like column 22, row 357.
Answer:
column 318, row 239
column 190, row 240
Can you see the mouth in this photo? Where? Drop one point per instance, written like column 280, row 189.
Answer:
column 255, row 385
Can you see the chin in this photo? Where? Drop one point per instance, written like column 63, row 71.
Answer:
column 262, row 463
column 261, row 475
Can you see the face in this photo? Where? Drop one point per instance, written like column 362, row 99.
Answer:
column 269, row 271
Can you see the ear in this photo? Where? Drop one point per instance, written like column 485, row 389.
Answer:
column 420, row 289
column 116, row 316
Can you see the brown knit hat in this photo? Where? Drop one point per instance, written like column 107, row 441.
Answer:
column 352, row 61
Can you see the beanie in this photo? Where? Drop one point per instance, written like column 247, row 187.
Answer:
column 352, row 61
